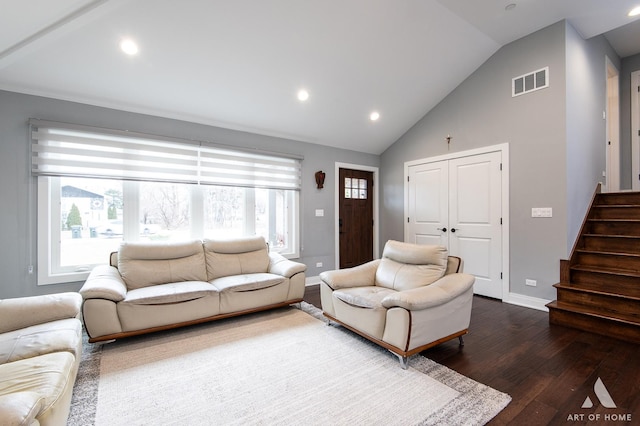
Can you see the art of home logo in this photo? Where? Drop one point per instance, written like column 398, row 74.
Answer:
column 605, row 399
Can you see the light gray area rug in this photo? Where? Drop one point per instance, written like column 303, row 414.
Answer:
column 277, row 367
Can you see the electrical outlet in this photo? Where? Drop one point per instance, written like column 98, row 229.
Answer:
column 531, row 283
column 319, row 265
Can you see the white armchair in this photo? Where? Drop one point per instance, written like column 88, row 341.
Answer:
column 411, row 299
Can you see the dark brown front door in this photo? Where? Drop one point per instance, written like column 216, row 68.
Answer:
column 356, row 217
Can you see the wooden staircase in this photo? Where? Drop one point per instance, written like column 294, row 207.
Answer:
column 599, row 289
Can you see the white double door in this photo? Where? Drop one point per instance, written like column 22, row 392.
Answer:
column 457, row 203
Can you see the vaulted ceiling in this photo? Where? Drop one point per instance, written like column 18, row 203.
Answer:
column 239, row 64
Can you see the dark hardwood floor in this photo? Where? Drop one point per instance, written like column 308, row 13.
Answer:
column 548, row 370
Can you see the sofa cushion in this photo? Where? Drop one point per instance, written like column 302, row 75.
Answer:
column 20, row 312
column 236, row 257
column 146, row 264
column 415, row 254
column 55, row 336
column 20, row 408
column 363, row 297
column 247, row 282
column 169, row 293
column 46, row 375
column 405, row 266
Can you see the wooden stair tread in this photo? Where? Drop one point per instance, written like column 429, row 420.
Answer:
column 606, row 206
column 614, row 220
column 609, row 271
column 600, row 282
column 628, row 237
column 577, row 288
column 597, row 313
column 608, row 253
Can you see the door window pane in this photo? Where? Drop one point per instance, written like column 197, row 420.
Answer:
column 355, row 188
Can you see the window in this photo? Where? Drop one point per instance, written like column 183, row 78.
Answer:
column 355, row 188
column 82, row 216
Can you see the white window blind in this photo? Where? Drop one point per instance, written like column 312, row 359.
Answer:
column 71, row 150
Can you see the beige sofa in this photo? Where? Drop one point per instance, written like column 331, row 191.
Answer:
column 413, row 298
column 149, row 287
column 40, row 351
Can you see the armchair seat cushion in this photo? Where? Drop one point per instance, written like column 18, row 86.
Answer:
column 247, row 282
column 20, row 408
column 169, row 293
column 50, row 376
column 363, row 297
column 55, row 336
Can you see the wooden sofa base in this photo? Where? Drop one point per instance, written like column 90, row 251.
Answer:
column 400, row 352
column 192, row 322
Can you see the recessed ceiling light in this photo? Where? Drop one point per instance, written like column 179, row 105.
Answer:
column 635, row 11
column 374, row 116
column 129, row 46
column 303, row 95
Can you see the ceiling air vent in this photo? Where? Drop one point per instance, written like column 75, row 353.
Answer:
column 530, row 82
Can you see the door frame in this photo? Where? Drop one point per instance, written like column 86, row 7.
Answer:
column 376, row 204
column 635, row 131
column 612, row 115
column 504, row 149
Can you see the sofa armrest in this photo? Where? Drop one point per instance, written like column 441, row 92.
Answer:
column 20, row 408
column 21, row 312
column 104, row 282
column 440, row 292
column 280, row 265
column 358, row 276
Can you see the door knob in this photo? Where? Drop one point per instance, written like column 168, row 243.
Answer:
column 453, row 229
column 442, row 229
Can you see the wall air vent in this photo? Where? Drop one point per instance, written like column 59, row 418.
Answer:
column 530, row 82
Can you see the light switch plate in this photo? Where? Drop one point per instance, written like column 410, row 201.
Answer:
column 319, row 212
column 541, row 212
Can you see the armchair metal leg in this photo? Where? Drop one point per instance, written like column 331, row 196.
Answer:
column 461, row 340
column 404, row 360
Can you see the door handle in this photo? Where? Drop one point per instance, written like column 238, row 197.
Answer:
column 442, row 229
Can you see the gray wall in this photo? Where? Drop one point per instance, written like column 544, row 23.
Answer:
column 481, row 112
column 630, row 64
column 17, row 215
column 554, row 136
column 586, row 127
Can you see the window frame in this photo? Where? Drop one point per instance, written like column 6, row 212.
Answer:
column 49, row 213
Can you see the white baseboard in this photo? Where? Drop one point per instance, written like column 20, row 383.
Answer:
column 527, row 301
column 311, row 281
